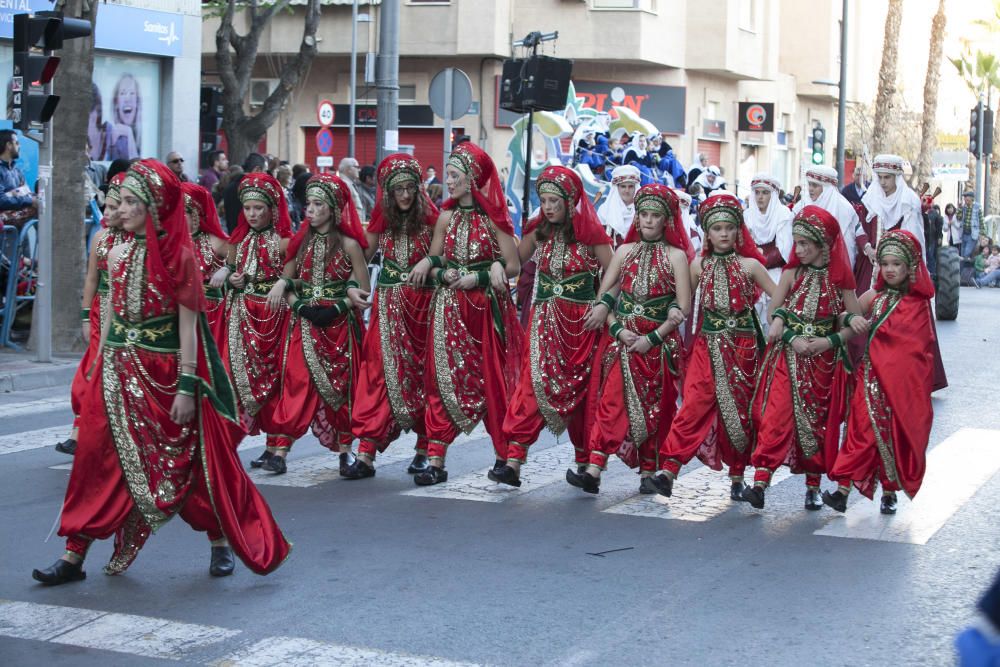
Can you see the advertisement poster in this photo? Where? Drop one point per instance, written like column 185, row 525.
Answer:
column 123, row 121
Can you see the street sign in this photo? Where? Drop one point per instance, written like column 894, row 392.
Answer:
column 756, row 117
column 324, row 161
column 456, row 104
column 324, row 112
column 324, row 141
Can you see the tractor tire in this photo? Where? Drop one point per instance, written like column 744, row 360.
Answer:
column 947, row 288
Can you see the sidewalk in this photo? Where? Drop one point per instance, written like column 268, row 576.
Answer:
column 19, row 371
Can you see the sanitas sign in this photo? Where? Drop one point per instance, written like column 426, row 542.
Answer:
column 119, row 28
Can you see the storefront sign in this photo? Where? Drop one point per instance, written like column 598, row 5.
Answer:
column 756, row 117
column 713, row 129
column 119, row 28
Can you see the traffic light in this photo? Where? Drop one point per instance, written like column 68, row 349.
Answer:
column 975, row 116
column 819, row 139
column 35, row 38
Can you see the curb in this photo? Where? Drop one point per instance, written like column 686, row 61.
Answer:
column 36, row 376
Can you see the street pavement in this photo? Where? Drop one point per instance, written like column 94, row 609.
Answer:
column 467, row 572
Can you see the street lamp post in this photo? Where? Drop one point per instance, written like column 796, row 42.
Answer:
column 841, row 86
column 354, row 76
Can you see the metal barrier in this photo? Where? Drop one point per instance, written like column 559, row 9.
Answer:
column 92, row 223
column 20, row 263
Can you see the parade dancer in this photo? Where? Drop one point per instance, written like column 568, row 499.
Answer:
column 618, row 210
column 474, row 335
column 572, row 250
column 770, row 225
column 639, row 368
column 390, row 396
column 890, row 408
column 257, row 324
column 326, row 283
column 714, row 418
column 211, row 249
column 159, row 426
column 800, row 398
column 822, row 191
column 892, row 204
column 95, row 302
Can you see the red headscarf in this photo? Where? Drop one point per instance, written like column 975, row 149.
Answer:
column 200, row 199
column 905, row 245
column 661, row 198
column 394, row 170
column 484, row 183
column 819, row 226
column 566, row 183
column 114, row 192
column 337, row 194
column 170, row 259
column 264, row 188
column 727, row 207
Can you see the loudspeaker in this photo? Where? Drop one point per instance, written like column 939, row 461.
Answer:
column 510, row 86
column 545, row 83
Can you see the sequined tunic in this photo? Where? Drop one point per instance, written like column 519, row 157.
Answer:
column 813, row 305
column 209, row 262
column 255, row 336
column 560, row 350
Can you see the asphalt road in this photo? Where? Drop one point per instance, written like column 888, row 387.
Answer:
column 467, row 572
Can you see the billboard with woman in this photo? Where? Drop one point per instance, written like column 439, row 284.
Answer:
column 123, row 88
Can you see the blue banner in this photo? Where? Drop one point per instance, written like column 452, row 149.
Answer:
column 119, row 28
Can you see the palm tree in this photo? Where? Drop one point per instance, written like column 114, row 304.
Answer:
column 928, row 131
column 887, row 75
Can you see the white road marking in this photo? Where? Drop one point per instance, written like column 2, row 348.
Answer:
column 173, row 640
column 122, row 633
column 250, row 442
column 546, row 467
column 8, row 410
column 322, row 467
column 956, row 469
column 26, row 440
column 291, row 652
column 699, row 495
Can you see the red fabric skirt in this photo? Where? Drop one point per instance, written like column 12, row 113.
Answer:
column 85, row 371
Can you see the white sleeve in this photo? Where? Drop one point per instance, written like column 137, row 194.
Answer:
column 913, row 222
column 783, row 238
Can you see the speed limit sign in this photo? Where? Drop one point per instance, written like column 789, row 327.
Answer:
column 324, row 111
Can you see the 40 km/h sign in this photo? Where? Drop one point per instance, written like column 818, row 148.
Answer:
column 324, row 112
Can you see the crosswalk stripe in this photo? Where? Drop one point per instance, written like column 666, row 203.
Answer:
column 27, row 440
column 291, row 652
column 956, row 469
column 698, row 495
column 8, row 410
column 122, row 633
column 152, row 637
column 322, row 467
column 544, row 468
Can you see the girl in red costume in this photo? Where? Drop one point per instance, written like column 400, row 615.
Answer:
column 714, row 419
column 799, row 401
column 159, row 429
column 390, row 395
column 572, row 250
column 95, row 292
column 649, row 283
column 890, row 413
column 326, row 280
column 211, row 250
column 257, row 316
column 474, row 335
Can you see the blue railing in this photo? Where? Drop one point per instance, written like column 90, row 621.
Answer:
column 20, row 274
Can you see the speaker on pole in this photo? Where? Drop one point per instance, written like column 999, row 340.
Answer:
column 536, row 83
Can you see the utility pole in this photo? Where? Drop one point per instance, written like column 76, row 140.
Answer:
column 842, row 99
column 387, row 77
column 354, row 76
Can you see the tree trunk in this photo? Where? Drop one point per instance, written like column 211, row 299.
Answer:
column 887, row 76
column 69, row 132
column 993, row 205
column 928, row 130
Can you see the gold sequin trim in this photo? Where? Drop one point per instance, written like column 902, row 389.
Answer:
column 391, row 370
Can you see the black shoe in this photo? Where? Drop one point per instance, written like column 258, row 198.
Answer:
column 223, row 562
column 581, row 468
column 276, row 464
column 754, row 495
column 67, row 447
column 647, row 486
column 358, row 470
column 347, row 459
column 433, row 475
column 736, row 492
column 584, row 481
column 418, row 464
column 261, row 460
column 888, row 503
column 61, row 572
column 813, row 500
column 837, row 500
column 499, row 463
column 505, row 475
column 662, row 483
